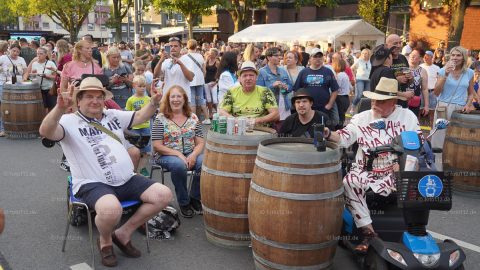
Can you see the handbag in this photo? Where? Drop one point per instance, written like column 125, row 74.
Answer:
column 414, row 102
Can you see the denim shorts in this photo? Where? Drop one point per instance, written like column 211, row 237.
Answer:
column 432, row 100
column 131, row 190
column 198, row 97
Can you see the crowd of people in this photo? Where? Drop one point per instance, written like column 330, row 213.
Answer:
column 93, row 92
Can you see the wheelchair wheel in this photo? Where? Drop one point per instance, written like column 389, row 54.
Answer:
column 373, row 261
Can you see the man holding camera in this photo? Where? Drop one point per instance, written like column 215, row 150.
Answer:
column 175, row 70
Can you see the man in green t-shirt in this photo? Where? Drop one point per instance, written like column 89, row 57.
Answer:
column 249, row 99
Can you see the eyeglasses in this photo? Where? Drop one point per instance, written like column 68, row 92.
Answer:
column 173, row 39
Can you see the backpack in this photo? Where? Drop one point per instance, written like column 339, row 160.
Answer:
column 162, row 225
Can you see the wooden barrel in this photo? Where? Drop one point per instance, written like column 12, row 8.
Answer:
column 461, row 152
column 295, row 205
column 22, row 110
column 226, row 173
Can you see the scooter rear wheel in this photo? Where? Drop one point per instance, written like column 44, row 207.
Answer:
column 373, row 261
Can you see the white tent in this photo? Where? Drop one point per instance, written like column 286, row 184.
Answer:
column 323, row 32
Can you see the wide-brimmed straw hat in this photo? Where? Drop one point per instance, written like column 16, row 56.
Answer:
column 91, row 84
column 385, row 89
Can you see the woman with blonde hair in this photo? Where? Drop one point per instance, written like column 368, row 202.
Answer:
column 120, row 77
column 454, row 89
column 178, row 142
column 362, row 69
column 82, row 63
column 252, row 53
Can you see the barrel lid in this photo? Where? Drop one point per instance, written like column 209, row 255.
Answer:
column 249, row 139
column 297, row 151
column 472, row 116
column 22, row 86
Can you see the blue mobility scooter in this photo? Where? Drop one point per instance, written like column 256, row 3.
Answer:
column 400, row 219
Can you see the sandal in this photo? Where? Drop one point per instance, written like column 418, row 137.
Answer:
column 367, row 236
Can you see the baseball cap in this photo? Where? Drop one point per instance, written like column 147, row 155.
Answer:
column 316, row 51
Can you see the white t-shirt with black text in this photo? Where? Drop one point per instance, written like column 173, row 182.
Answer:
column 94, row 156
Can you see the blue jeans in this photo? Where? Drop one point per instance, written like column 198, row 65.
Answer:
column 360, row 86
column 178, row 171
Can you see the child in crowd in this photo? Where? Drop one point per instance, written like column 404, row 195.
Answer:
column 139, row 100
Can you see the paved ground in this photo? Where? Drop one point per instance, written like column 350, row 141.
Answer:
column 32, row 192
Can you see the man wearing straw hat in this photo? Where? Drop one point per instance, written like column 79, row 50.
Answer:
column 381, row 179
column 102, row 171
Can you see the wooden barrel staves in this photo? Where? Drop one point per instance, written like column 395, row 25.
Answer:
column 22, row 110
column 461, row 152
column 226, row 173
column 295, row 205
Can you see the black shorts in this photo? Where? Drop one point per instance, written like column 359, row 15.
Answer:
column 49, row 101
column 130, row 191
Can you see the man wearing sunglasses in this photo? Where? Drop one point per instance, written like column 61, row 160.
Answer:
column 175, row 69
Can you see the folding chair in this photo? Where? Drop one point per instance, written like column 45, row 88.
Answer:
column 164, row 170
column 72, row 201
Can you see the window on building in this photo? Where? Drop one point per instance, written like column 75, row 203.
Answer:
column 180, row 18
column 430, row 4
column 103, row 27
column 143, row 29
column 124, row 28
column 58, row 26
column 46, row 25
column 90, row 27
column 132, row 29
column 475, row 3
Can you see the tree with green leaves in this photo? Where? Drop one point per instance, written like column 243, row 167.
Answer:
column 377, row 12
column 119, row 10
column 7, row 13
column 191, row 9
column 68, row 14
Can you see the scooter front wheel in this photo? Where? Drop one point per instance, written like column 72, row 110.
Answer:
column 373, row 261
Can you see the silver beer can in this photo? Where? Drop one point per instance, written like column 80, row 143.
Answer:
column 242, row 126
column 230, row 125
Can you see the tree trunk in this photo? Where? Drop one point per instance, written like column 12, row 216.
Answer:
column 190, row 26
column 73, row 34
column 118, row 31
column 455, row 30
column 386, row 15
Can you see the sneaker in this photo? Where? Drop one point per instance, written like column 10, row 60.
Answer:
column 144, row 172
column 206, row 122
column 65, row 166
column 2, row 134
column 187, row 211
column 197, row 206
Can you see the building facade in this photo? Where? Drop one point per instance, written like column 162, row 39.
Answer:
column 284, row 11
column 430, row 21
